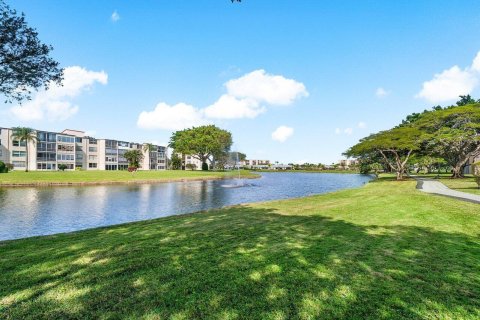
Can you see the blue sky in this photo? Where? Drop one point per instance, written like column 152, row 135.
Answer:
column 334, row 71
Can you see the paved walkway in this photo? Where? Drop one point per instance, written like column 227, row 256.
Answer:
column 436, row 187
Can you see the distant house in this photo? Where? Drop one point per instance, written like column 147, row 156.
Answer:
column 191, row 163
column 255, row 164
column 347, row 163
column 468, row 167
column 280, row 166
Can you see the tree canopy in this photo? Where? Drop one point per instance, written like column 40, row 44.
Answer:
column 203, row 143
column 444, row 135
column 134, row 157
column 454, row 134
column 25, row 64
column 395, row 146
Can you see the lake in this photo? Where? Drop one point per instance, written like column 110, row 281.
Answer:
column 26, row 212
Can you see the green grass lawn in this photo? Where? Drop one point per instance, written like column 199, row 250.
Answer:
column 22, row 177
column 467, row 184
column 383, row 251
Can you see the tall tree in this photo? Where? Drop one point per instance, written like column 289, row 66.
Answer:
column 25, row 64
column 455, row 134
column 134, row 157
column 27, row 135
column 175, row 161
column 202, row 143
column 395, row 146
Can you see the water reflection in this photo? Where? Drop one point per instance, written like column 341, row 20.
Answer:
column 27, row 212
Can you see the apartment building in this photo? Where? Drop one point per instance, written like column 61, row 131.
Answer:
column 76, row 150
column 255, row 164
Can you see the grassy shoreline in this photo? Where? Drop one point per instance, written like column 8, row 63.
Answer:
column 381, row 251
column 72, row 178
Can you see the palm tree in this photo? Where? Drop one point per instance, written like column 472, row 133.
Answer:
column 134, row 157
column 149, row 147
column 25, row 134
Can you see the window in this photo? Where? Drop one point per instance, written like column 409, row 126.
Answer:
column 111, row 159
column 79, row 148
column 92, row 165
column 46, row 166
column 123, row 144
column 46, row 156
column 92, row 140
column 0, row 152
column 0, row 140
column 65, row 139
column 65, row 157
column 42, row 136
column 111, row 144
column 18, row 164
column 17, row 154
column 78, row 140
column 110, row 167
column 17, row 143
column 65, row 148
column 161, row 161
column 52, row 137
column 92, row 158
column 92, row 149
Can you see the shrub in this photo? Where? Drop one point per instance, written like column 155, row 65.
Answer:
column 132, row 169
column 205, row 166
column 191, row 166
column 62, row 167
column 3, row 167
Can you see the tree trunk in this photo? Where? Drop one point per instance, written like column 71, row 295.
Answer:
column 457, row 172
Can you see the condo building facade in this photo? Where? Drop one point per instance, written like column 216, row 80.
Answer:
column 75, row 150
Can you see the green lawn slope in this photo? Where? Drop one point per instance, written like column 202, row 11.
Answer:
column 383, row 251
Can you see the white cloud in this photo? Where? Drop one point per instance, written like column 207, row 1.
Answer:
column 451, row 83
column 176, row 117
column 243, row 99
column 282, row 133
column 338, row 130
column 115, row 16
column 362, row 125
column 54, row 104
column 348, row 131
column 262, row 87
column 448, row 85
column 476, row 63
column 381, row 92
column 229, row 107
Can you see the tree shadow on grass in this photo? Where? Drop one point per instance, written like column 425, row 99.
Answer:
column 242, row 262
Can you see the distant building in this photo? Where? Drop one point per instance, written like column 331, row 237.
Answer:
column 189, row 161
column 280, row 166
column 468, row 167
column 75, row 150
column 255, row 164
column 347, row 163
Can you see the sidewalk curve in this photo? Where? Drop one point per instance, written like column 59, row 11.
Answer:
column 436, row 187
